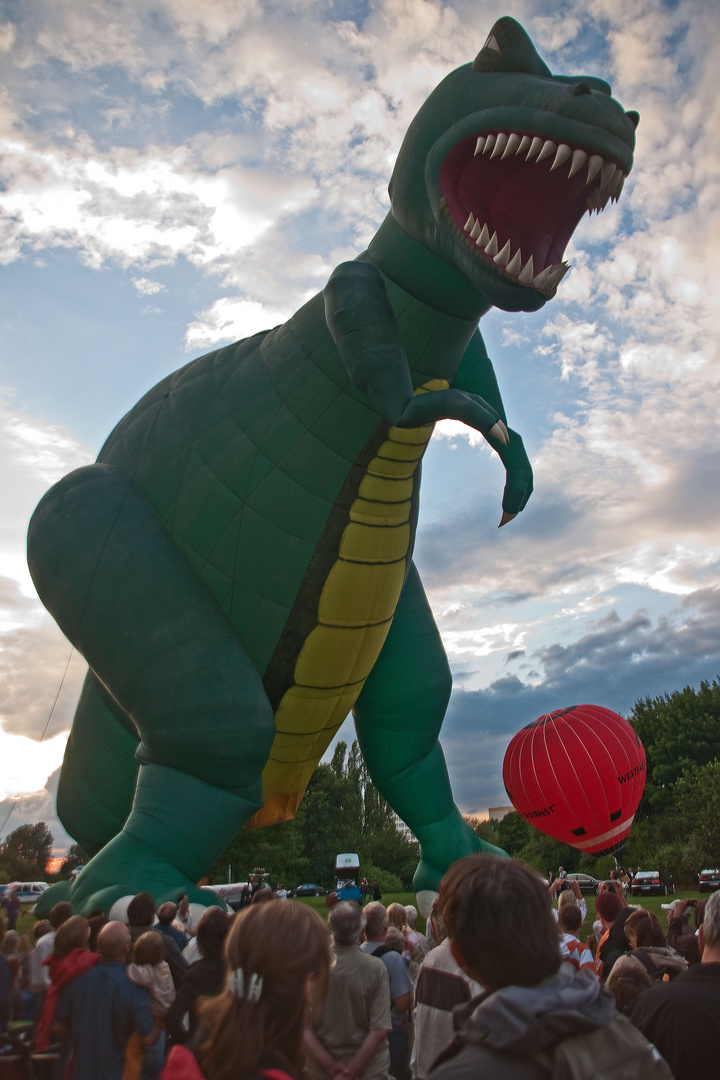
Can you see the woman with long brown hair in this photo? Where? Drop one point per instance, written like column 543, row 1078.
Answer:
column 277, row 961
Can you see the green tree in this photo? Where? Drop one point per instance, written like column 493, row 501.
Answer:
column 75, row 856
column 680, row 732
column 31, row 843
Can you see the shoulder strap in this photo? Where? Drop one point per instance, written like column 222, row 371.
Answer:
column 382, row 951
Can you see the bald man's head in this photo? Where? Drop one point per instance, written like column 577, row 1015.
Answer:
column 114, row 941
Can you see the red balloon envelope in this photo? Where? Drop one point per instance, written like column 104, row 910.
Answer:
column 578, row 775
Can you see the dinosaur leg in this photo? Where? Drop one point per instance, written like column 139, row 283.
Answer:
column 99, row 772
column 122, row 593
column 398, row 718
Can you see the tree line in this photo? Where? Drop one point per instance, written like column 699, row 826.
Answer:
column 676, row 828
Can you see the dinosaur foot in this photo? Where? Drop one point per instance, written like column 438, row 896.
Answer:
column 125, row 867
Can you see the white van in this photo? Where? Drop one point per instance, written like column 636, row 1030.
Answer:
column 28, row 892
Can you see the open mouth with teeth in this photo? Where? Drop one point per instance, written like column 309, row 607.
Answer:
column 516, row 200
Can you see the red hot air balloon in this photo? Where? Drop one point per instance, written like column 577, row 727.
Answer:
column 577, row 774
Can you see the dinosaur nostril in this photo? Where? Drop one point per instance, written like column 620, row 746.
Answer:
column 581, row 88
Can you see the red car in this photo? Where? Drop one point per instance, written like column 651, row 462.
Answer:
column 708, row 880
column 646, row 882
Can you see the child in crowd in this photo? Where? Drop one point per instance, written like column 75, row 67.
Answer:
column 572, row 949
column 150, row 969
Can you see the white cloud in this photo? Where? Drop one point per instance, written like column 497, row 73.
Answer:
column 147, row 287
column 229, row 319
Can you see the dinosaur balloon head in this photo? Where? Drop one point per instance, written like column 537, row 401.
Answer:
column 502, row 161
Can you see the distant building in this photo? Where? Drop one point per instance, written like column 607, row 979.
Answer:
column 497, row 813
column 403, row 829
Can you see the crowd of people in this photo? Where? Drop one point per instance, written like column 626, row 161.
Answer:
column 500, row 985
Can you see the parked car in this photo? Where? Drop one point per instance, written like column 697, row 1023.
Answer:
column 307, row 890
column 647, row 882
column 708, row 880
column 28, row 892
column 587, row 883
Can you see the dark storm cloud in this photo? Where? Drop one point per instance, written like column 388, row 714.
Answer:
column 616, row 663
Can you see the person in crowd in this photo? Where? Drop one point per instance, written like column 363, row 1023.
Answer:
column 681, row 936
column 96, row 923
column 401, row 984
column 184, row 919
column 263, row 896
column 628, row 979
column 572, row 950
column 141, row 918
column 151, row 970
column 608, row 906
column 350, row 1035
column 647, row 941
column 503, row 934
column 375, row 889
column 364, row 889
column 166, row 916
column 435, row 927
column 442, row 984
column 70, row 959
column 277, row 964
column 11, row 955
column 411, row 916
column 39, row 970
column 5, row 985
column 281, row 891
column 682, row 1017
column 397, row 917
column 204, row 979
column 12, row 907
column 572, row 895
column 562, row 873
column 100, row 1009
column 616, row 944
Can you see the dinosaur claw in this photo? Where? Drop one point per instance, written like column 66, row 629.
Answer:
column 500, row 432
column 505, row 518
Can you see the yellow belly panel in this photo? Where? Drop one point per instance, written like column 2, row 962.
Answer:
column 355, row 610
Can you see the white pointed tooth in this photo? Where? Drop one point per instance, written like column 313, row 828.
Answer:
column 502, row 256
column 513, row 267
column 578, row 160
column 557, row 272
column 491, row 248
column 618, row 190
column 489, row 143
column 615, row 181
column 526, row 274
column 512, row 144
column 469, row 223
column 524, row 144
column 480, row 145
column 563, row 153
column 534, row 147
column 607, row 171
column 500, row 144
column 540, row 279
column 594, row 165
column 549, row 148
column 475, row 231
column 484, row 237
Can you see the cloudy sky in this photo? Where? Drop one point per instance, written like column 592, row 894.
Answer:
column 179, row 175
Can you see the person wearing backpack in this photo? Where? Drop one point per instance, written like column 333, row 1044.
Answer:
column 537, row 1016
column 683, row 1016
